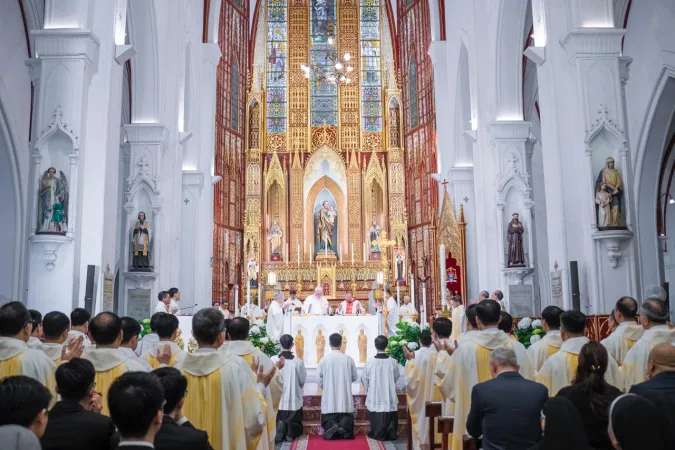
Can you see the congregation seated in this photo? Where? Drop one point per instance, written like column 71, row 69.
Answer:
column 591, row 394
column 562, row 427
column 506, row 403
column 635, row 423
column 24, row 401
column 75, row 422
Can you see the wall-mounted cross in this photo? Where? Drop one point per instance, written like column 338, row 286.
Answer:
column 186, row 201
column 444, row 183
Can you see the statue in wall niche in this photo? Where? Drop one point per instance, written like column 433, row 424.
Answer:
column 516, row 252
column 53, row 203
column 275, row 237
column 325, row 223
column 608, row 194
column 141, row 237
column 252, row 271
column 320, row 346
column 300, row 345
column 363, row 346
column 399, row 264
column 374, row 233
column 343, row 346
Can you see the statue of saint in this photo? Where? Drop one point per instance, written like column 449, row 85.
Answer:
column 320, row 346
column 399, row 265
column 611, row 179
column 275, row 237
column 363, row 346
column 53, row 203
column 299, row 345
column 252, row 271
column 140, row 244
column 343, row 346
column 374, row 235
column 603, row 199
column 516, row 252
column 325, row 223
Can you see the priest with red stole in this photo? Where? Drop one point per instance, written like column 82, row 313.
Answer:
column 349, row 306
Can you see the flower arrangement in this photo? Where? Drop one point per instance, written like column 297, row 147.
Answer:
column 145, row 328
column 408, row 334
column 529, row 331
column 259, row 338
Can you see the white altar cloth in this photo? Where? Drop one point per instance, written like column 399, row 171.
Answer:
column 351, row 326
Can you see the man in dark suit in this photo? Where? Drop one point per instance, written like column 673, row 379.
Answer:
column 75, row 422
column 506, row 403
column 176, row 432
column 135, row 400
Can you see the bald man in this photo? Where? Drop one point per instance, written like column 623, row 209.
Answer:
column 660, row 372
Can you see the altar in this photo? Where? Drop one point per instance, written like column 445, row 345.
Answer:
column 351, row 326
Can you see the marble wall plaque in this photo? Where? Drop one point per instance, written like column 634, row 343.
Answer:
column 556, row 288
column 138, row 305
column 521, row 300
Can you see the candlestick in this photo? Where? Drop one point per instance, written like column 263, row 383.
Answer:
column 398, row 294
column 260, row 307
column 352, row 253
column 286, row 254
column 424, row 302
column 444, row 300
column 412, row 290
column 248, row 296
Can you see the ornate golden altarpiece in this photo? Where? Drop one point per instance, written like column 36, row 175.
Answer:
column 363, row 171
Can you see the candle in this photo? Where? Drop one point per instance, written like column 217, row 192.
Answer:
column 412, row 290
column 340, row 252
column 398, row 295
column 248, row 296
column 424, row 302
column 444, row 300
column 260, row 306
column 352, row 253
column 310, row 253
column 298, row 255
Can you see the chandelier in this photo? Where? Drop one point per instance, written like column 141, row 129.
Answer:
column 332, row 70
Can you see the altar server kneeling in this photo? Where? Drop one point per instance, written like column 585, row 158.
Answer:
column 289, row 417
column 337, row 372
column 379, row 377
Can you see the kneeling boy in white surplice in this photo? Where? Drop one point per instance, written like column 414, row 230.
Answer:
column 289, row 416
column 337, row 372
column 379, row 377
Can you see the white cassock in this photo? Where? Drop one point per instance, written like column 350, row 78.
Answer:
column 420, row 389
column 275, row 320
column 408, row 312
column 468, row 366
column 109, row 364
column 540, row 351
column 224, row 399
column 458, row 323
column 53, row 351
column 316, row 306
column 129, row 353
column 379, row 377
column 160, row 306
column 392, row 316
column 294, row 376
column 74, row 334
column 356, row 308
column 247, row 351
column 146, row 343
column 560, row 368
column 34, row 343
column 622, row 340
column 255, row 311
column 17, row 359
column 293, row 304
column 337, row 372
column 634, row 367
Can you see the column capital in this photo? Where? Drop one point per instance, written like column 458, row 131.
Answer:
column 593, row 42
column 146, row 133
column 511, row 130
column 66, row 42
column 193, row 179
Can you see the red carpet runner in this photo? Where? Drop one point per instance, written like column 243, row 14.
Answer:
column 316, row 442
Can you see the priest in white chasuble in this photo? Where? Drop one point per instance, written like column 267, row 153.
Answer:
column 16, row 358
column 407, row 312
column 458, row 322
column 237, row 343
column 441, row 332
column 227, row 398
column 392, row 312
column 627, row 331
column 379, row 377
column 108, row 360
column 470, row 364
column 275, row 317
column 79, row 326
column 316, row 304
column 55, row 326
column 560, row 368
column 337, row 372
column 293, row 303
column 420, row 386
column 654, row 318
column 166, row 327
column 255, row 311
column 540, row 351
column 36, row 330
column 349, row 306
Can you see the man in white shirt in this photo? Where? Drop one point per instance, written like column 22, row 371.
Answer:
column 337, row 372
column 289, row 416
column 163, row 302
column 131, row 329
column 540, row 351
column 392, row 312
column 79, row 327
column 293, row 303
column 275, row 316
column 379, row 377
column 36, row 332
column 498, row 296
column 174, row 299
column 627, row 331
column 316, row 304
column 349, row 306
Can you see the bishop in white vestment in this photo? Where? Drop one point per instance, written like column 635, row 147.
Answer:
column 289, row 416
column 627, row 331
column 392, row 313
column 653, row 317
column 408, row 313
column 275, row 317
column 541, row 350
column 237, row 343
column 421, row 387
column 560, row 369
column 379, row 377
column 349, row 306
column 316, row 304
column 337, row 372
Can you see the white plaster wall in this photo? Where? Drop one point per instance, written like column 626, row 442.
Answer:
column 15, row 98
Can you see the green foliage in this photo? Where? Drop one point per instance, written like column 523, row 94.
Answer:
column 406, row 334
column 145, row 328
column 259, row 338
column 526, row 329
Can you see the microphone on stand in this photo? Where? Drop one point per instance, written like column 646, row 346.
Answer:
column 187, row 307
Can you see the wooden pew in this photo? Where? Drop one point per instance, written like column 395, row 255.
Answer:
column 433, row 410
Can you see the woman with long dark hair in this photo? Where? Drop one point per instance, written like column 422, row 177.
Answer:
column 592, row 395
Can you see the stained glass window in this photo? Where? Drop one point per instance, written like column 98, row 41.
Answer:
column 412, row 89
column 323, row 54
column 371, row 75
column 277, row 32
column 234, row 103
